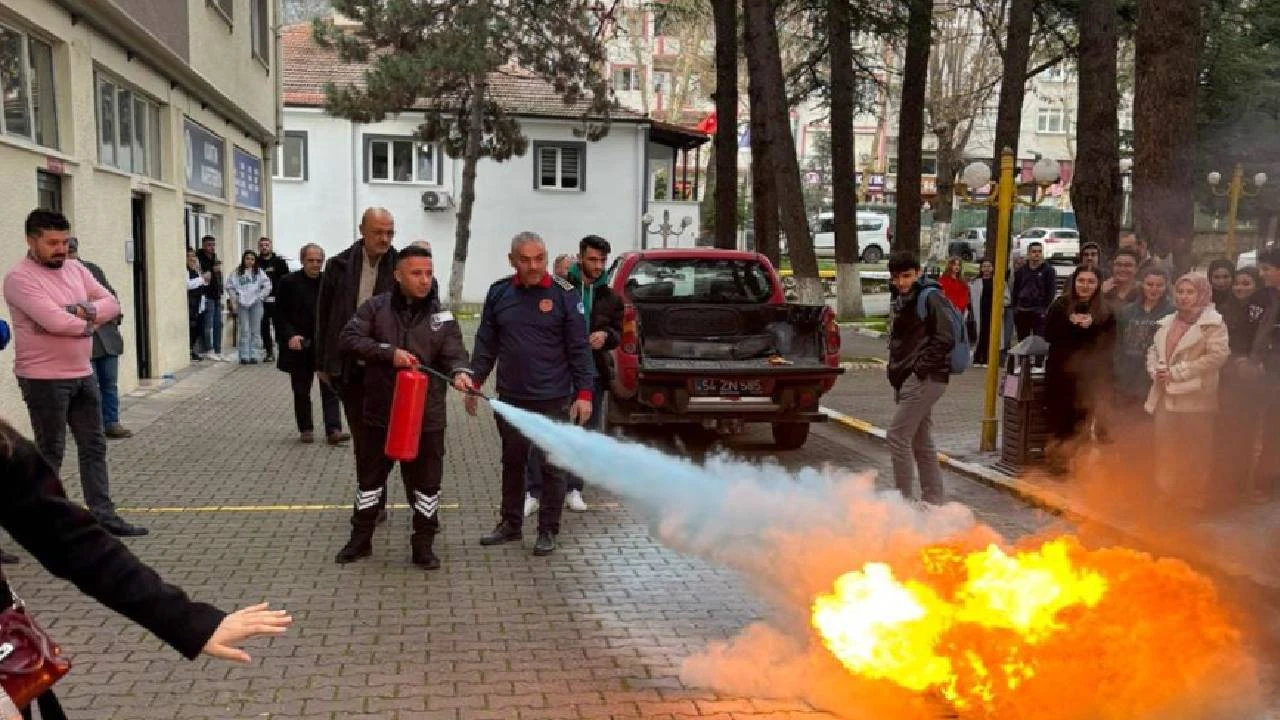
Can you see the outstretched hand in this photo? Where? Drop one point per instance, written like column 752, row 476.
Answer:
column 242, row 625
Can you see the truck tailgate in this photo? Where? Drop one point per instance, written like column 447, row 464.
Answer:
column 750, row 366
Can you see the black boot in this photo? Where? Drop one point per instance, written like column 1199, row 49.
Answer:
column 360, row 545
column 546, row 543
column 503, row 533
column 423, row 556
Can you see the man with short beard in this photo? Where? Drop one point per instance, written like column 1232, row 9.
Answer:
column 275, row 268
column 56, row 308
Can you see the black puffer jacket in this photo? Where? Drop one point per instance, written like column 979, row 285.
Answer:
column 296, row 317
column 69, row 543
column 920, row 346
column 389, row 322
column 337, row 304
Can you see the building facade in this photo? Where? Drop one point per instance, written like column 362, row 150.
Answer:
column 148, row 124
column 564, row 187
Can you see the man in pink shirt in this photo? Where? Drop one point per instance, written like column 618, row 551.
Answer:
column 56, row 306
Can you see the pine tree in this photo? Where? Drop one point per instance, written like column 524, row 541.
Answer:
column 441, row 56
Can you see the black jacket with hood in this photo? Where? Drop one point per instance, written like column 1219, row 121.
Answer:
column 337, row 304
column 920, row 346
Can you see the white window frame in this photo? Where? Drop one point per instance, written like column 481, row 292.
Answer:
column 28, row 73
column 437, row 167
column 278, row 169
column 1045, row 117
column 150, row 135
column 661, row 82
column 559, row 147
column 630, row 74
column 247, row 234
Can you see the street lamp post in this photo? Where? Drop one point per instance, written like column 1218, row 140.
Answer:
column 1235, row 190
column 977, row 174
column 666, row 230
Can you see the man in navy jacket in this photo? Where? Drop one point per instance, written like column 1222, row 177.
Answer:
column 533, row 328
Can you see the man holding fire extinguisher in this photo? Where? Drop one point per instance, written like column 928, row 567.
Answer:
column 533, row 328
column 394, row 331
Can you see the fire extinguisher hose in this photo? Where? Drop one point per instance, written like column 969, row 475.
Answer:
column 449, row 380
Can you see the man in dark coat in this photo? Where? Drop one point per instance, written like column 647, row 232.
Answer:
column 275, row 268
column 403, row 329
column 350, row 278
column 295, row 318
column 108, row 346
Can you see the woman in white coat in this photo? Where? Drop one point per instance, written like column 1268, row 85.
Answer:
column 247, row 288
column 980, row 309
column 1190, row 349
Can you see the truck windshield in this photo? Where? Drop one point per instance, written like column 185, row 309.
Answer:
column 700, row 280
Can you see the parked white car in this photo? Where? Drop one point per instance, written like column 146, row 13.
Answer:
column 873, row 236
column 1061, row 245
column 1247, row 259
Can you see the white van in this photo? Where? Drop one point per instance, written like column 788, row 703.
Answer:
column 874, row 234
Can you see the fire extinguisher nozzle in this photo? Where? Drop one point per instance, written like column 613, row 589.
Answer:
column 449, row 380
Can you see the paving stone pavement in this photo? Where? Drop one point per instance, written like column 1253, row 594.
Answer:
column 598, row 630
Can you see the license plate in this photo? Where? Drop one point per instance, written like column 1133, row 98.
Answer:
column 725, row 387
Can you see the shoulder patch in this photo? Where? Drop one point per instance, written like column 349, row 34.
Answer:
column 563, row 283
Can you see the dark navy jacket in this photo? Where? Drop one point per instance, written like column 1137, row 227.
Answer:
column 538, row 338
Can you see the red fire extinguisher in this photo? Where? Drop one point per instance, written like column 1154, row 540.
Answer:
column 407, row 406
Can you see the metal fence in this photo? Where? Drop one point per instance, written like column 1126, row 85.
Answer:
column 969, row 217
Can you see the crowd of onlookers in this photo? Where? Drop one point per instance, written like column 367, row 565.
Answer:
column 1183, row 370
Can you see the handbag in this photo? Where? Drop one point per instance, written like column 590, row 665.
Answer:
column 30, row 661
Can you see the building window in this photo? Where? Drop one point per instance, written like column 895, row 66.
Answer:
column 661, row 81
column 559, row 166
column 929, row 165
column 249, row 234
column 626, row 79
column 1050, row 121
column 401, row 160
column 260, row 30
column 128, row 128
column 48, row 191
column 291, row 156
column 26, row 85
column 1057, row 73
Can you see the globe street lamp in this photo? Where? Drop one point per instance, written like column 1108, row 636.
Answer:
column 666, row 230
column 977, row 174
column 1233, row 193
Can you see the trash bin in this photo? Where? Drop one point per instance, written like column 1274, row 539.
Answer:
column 1024, row 420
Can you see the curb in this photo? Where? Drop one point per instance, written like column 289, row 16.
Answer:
column 859, row 330
column 1057, row 504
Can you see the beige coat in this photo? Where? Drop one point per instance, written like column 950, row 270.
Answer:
column 1193, row 366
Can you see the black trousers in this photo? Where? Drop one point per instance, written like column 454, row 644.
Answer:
column 1028, row 322
column 351, row 392
column 55, row 405
column 301, row 380
column 421, row 475
column 268, row 318
column 517, row 452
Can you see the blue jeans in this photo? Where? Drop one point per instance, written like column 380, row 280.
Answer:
column 211, row 322
column 533, row 470
column 248, row 324
column 107, row 370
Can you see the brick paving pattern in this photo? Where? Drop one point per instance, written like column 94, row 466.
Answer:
column 598, row 630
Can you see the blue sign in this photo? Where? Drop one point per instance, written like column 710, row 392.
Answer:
column 204, row 160
column 248, row 180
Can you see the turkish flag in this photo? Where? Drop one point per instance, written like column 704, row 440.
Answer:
column 707, row 124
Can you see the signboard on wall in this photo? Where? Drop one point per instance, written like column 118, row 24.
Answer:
column 248, row 179
column 204, row 160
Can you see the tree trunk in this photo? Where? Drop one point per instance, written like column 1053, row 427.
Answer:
column 1164, row 126
column 1013, row 88
column 843, row 163
column 726, row 140
column 942, row 210
column 467, row 198
column 1095, row 187
column 915, row 81
column 764, row 189
column 761, row 38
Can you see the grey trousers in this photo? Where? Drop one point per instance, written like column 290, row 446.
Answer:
column 55, row 404
column 910, row 440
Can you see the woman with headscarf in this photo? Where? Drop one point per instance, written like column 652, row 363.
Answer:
column 1184, row 361
column 1240, row 404
column 1080, row 329
column 1221, row 275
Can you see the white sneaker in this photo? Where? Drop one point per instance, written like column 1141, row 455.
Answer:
column 530, row 504
column 573, row 500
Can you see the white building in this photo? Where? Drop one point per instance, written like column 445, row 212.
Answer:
column 145, row 123
column 564, row 187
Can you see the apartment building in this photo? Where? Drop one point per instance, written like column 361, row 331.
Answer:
column 148, row 124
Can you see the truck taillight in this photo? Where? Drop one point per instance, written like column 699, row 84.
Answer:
column 629, row 342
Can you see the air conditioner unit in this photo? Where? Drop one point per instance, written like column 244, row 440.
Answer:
column 436, row 201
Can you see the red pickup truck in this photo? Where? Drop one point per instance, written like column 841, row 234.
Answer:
column 709, row 340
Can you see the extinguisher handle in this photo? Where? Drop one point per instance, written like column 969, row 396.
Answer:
column 449, row 380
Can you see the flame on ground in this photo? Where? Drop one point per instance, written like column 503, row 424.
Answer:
column 1054, row 631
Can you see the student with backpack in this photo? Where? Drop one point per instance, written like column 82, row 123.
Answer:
column 927, row 344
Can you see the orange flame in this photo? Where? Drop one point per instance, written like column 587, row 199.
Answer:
column 995, row 634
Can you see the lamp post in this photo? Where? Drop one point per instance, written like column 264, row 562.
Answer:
column 666, row 230
column 977, row 174
column 1235, row 190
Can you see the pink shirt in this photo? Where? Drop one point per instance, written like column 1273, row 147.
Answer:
column 51, row 343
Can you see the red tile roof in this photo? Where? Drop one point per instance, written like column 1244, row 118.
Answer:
column 308, row 67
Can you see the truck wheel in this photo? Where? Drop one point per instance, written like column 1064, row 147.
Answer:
column 872, row 255
column 790, row 436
